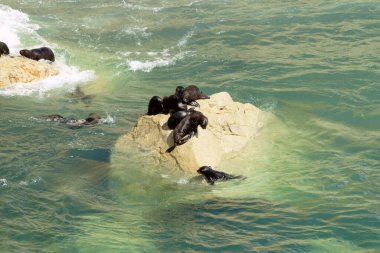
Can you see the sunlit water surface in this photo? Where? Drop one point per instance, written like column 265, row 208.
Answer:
column 313, row 179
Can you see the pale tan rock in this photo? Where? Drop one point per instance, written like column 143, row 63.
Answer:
column 18, row 69
column 230, row 126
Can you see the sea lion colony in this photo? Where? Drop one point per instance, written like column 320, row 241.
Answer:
column 183, row 121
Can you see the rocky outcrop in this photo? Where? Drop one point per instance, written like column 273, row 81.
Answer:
column 19, row 69
column 230, row 126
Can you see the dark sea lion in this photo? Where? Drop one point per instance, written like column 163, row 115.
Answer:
column 155, row 106
column 92, row 119
column 212, row 175
column 176, row 118
column 79, row 94
column 192, row 93
column 3, row 49
column 38, row 54
column 187, row 128
column 179, row 92
column 172, row 104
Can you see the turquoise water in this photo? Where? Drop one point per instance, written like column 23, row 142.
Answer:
column 312, row 174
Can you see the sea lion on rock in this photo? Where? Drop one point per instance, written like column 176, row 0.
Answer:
column 3, row 49
column 155, row 106
column 179, row 92
column 187, row 128
column 176, row 118
column 212, row 175
column 172, row 104
column 38, row 54
column 190, row 94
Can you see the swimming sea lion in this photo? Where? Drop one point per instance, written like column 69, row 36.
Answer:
column 192, row 93
column 172, row 104
column 155, row 106
column 176, row 118
column 3, row 49
column 92, row 119
column 38, row 54
column 214, row 175
column 79, row 94
column 187, row 128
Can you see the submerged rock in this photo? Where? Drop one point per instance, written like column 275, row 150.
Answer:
column 19, row 69
column 230, row 126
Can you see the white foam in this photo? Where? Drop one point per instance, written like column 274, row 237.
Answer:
column 160, row 59
column 183, row 181
column 183, row 41
column 108, row 120
column 138, row 31
column 142, row 8
column 3, row 182
column 147, row 66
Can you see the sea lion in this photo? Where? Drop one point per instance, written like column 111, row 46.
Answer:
column 92, row 119
column 155, row 106
column 190, row 94
column 172, row 104
column 212, row 175
column 38, row 54
column 176, row 118
column 79, row 94
column 187, row 128
column 3, row 49
column 179, row 92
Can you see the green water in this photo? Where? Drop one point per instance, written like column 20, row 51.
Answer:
column 312, row 174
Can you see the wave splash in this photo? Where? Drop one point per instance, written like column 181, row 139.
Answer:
column 158, row 59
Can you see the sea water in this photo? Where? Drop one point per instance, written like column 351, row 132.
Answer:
column 313, row 179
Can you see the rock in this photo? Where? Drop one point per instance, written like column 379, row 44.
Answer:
column 19, row 69
column 230, row 126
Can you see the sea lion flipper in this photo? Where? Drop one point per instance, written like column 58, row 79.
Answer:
column 170, row 149
column 185, row 138
column 203, row 96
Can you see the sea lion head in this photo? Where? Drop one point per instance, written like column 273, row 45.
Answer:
column 208, row 173
column 200, row 119
column 155, row 105
column 204, row 122
column 205, row 170
column 92, row 118
column 28, row 54
column 179, row 92
column 3, row 48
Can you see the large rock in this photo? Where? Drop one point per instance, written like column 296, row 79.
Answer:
column 18, row 69
column 230, row 126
